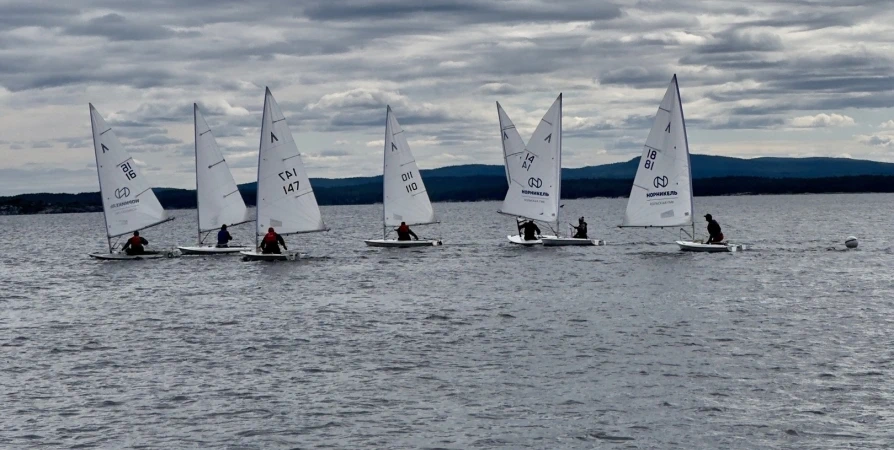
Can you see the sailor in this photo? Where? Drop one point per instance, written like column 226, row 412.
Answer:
column 223, row 237
column 580, row 231
column 404, row 232
column 530, row 230
column 271, row 242
column 134, row 245
column 714, row 234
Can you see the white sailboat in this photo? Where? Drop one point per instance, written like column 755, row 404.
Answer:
column 534, row 173
column 218, row 200
column 404, row 197
column 128, row 203
column 285, row 198
column 661, row 195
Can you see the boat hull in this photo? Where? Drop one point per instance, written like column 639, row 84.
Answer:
column 208, row 250
column 690, row 246
column 255, row 256
column 561, row 242
column 394, row 243
column 125, row 257
column 520, row 240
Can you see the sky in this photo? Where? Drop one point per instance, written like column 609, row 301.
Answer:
column 757, row 78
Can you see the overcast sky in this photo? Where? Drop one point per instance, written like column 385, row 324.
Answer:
column 757, row 78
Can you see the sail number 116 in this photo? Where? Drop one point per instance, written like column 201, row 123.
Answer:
column 650, row 159
column 286, row 176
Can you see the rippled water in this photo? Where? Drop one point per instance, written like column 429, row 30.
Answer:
column 477, row 344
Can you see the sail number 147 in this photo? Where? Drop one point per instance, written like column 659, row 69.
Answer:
column 650, row 159
column 286, row 176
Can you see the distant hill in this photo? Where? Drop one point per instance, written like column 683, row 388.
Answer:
column 714, row 175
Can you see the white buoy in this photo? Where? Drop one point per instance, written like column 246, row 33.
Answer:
column 850, row 242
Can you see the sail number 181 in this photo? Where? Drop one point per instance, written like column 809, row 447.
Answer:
column 286, row 176
column 650, row 159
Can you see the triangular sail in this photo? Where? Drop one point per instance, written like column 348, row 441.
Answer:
column 535, row 180
column 662, row 190
column 405, row 198
column 127, row 198
column 286, row 199
column 219, row 200
column 513, row 145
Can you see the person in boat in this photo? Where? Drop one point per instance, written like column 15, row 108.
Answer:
column 223, row 237
column 271, row 242
column 580, row 231
column 134, row 245
column 530, row 230
column 404, row 232
column 714, row 234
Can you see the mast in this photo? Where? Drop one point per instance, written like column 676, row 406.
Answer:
column 195, row 128
column 559, row 175
column 384, row 159
column 258, row 178
column 104, row 218
column 688, row 160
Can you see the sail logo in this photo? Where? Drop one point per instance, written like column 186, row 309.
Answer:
column 537, row 193
column 659, row 182
column 122, row 193
column 661, row 194
column 535, row 182
column 129, row 202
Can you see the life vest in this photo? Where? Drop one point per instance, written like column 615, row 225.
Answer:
column 270, row 238
column 135, row 241
column 403, row 229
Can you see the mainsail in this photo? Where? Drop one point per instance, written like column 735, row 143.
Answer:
column 662, row 190
column 219, row 200
column 285, row 199
column 535, row 178
column 128, row 202
column 405, row 198
column 513, row 146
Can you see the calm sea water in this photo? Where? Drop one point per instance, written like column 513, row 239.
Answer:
column 477, row 344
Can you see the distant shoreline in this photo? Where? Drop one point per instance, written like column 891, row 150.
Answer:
column 471, row 189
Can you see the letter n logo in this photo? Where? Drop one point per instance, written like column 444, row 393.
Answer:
column 104, row 148
column 273, row 138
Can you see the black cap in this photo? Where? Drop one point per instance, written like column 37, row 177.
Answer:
column 707, row 216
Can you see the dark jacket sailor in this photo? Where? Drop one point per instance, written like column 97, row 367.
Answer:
column 404, row 232
column 223, row 237
column 530, row 230
column 714, row 234
column 134, row 245
column 271, row 242
column 580, row 231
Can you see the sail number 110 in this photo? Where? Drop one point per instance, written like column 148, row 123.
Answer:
column 411, row 186
column 286, row 176
column 650, row 159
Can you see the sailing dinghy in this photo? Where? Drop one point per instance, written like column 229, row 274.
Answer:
column 128, row 203
column 217, row 198
column 661, row 195
column 285, row 198
column 404, row 198
column 534, row 173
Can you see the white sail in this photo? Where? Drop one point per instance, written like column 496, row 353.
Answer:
column 286, row 199
column 535, row 182
column 513, row 146
column 127, row 198
column 405, row 198
column 219, row 200
column 662, row 190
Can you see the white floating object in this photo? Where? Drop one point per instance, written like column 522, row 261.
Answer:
column 851, row 242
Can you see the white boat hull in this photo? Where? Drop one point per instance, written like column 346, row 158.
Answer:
column 690, row 246
column 209, row 250
column 394, row 243
column 255, row 256
column 520, row 240
column 118, row 256
column 560, row 241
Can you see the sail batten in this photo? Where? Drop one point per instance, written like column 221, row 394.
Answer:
column 534, row 177
column 127, row 199
column 286, row 200
column 661, row 195
column 405, row 198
